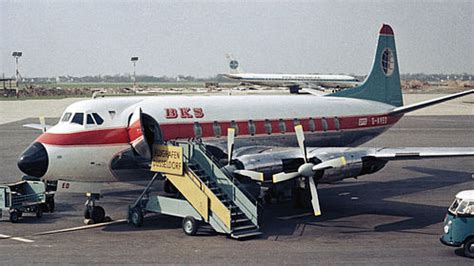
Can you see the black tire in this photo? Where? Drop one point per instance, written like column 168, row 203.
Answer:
column 14, row 217
column 189, row 226
column 50, row 206
column 98, row 214
column 136, row 217
column 39, row 212
column 469, row 248
column 87, row 214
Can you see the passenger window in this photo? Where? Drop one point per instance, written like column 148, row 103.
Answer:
column 336, row 123
column 282, row 126
column 251, row 127
column 324, row 123
column 217, row 129
column 268, row 126
column 78, row 118
column 66, row 117
column 296, row 122
column 90, row 121
column 98, row 119
column 312, row 125
column 197, row 130
column 234, row 125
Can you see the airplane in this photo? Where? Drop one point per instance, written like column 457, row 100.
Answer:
column 296, row 82
column 297, row 140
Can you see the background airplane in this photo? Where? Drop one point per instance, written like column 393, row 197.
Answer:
column 298, row 140
column 293, row 81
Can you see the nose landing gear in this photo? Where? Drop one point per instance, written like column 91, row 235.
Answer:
column 93, row 213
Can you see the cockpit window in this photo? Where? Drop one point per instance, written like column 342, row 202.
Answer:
column 98, row 119
column 78, row 118
column 66, row 117
column 90, row 121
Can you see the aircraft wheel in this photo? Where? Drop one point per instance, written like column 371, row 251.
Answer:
column 50, row 204
column 189, row 226
column 14, row 217
column 469, row 248
column 39, row 212
column 87, row 213
column 136, row 217
column 97, row 214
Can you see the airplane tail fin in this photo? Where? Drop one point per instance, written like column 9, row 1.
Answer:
column 234, row 65
column 383, row 82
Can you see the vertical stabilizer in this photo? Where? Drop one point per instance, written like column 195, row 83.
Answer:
column 383, row 82
column 234, row 65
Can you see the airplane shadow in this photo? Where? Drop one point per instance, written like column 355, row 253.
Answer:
column 339, row 207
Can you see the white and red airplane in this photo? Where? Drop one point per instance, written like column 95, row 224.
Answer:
column 95, row 139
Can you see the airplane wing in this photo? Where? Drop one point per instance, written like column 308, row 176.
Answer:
column 411, row 153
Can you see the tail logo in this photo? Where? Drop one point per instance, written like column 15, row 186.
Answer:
column 387, row 62
column 234, row 64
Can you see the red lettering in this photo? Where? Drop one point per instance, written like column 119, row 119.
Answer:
column 185, row 112
column 171, row 113
column 198, row 112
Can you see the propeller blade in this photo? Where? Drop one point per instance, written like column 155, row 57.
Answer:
column 301, row 142
column 43, row 123
column 314, row 197
column 333, row 163
column 280, row 177
column 254, row 175
column 230, row 143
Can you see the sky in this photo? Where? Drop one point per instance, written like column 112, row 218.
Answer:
column 172, row 38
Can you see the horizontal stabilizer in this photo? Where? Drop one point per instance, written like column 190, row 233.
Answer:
column 416, row 106
column 38, row 126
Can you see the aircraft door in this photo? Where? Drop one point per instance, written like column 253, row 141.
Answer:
column 136, row 134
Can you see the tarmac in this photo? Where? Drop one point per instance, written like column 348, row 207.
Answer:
column 392, row 217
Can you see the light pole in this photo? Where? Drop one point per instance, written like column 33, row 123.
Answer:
column 17, row 55
column 134, row 60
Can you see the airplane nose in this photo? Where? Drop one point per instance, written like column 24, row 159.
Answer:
column 34, row 160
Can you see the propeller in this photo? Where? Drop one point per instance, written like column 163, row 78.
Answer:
column 230, row 143
column 309, row 169
column 254, row 175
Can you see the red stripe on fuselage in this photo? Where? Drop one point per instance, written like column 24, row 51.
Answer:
column 186, row 130
column 91, row 137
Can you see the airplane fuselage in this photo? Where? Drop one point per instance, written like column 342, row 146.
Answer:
column 301, row 80
column 87, row 150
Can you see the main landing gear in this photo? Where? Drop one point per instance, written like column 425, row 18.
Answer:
column 93, row 213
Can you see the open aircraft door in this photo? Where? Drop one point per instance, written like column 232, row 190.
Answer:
column 136, row 134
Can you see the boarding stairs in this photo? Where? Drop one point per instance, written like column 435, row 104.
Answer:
column 211, row 195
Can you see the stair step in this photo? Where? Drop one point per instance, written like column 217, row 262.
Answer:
column 235, row 214
column 241, row 220
column 244, row 227
column 246, row 234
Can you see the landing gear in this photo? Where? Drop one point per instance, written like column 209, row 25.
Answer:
column 94, row 214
